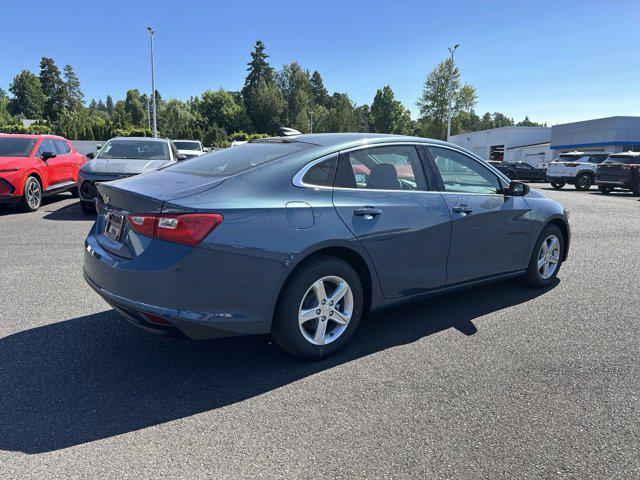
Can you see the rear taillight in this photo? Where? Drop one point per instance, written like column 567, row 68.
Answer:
column 187, row 229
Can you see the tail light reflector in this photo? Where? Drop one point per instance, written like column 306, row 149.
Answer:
column 156, row 319
column 187, row 229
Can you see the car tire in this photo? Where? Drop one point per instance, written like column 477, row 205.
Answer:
column 303, row 325
column 636, row 188
column 558, row 184
column 604, row 189
column 88, row 207
column 583, row 182
column 32, row 195
column 536, row 275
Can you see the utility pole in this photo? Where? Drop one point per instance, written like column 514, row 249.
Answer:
column 451, row 50
column 149, row 113
column 311, row 121
column 153, row 85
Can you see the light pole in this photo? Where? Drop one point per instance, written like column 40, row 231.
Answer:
column 451, row 50
column 153, row 86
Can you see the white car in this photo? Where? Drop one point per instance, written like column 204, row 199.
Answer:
column 189, row 148
column 575, row 168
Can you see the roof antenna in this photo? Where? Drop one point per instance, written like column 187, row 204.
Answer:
column 288, row 132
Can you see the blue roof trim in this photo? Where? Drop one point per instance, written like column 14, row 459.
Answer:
column 596, row 144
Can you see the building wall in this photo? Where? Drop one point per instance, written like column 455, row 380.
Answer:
column 612, row 134
column 481, row 142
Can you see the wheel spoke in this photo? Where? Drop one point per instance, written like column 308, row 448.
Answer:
column 306, row 315
column 553, row 244
column 545, row 270
column 341, row 318
column 319, row 290
column 541, row 262
column 321, row 330
column 554, row 259
column 340, row 291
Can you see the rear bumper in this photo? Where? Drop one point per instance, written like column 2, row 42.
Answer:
column 202, row 293
column 613, row 183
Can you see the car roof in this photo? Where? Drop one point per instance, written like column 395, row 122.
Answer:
column 342, row 139
column 625, row 154
column 31, row 135
column 146, row 139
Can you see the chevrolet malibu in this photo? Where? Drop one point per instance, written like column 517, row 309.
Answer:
column 301, row 236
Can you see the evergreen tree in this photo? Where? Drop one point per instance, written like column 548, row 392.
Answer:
column 134, row 107
column 109, row 104
column 319, row 93
column 28, row 98
column 53, row 87
column 296, row 89
column 75, row 97
column 388, row 115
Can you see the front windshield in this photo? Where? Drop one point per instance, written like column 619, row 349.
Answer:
column 135, row 150
column 237, row 159
column 16, row 147
column 187, row 145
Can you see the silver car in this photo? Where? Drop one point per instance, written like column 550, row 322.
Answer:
column 123, row 157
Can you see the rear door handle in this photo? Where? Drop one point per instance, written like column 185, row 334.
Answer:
column 464, row 209
column 367, row 212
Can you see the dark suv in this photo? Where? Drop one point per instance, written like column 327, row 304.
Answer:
column 620, row 170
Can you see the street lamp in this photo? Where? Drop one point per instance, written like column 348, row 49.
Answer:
column 451, row 50
column 153, row 85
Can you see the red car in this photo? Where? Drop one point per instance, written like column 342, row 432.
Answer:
column 34, row 166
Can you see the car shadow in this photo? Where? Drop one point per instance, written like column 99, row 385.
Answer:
column 49, row 202
column 96, row 376
column 71, row 212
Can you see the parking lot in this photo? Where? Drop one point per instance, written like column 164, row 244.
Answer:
column 491, row 382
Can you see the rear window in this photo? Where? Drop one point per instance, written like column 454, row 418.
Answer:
column 628, row 160
column 237, row 159
column 16, row 147
column 187, row 145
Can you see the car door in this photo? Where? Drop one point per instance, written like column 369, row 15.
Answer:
column 66, row 160
column 381, row 194
column 55, row 167
column 489, row 230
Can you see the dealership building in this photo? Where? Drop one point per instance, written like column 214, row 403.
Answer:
column 539, row 145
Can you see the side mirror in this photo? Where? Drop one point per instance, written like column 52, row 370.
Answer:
column 181, row 157
column 90, row 156
column 47, row 155
column 517, row 189
column 99, row 146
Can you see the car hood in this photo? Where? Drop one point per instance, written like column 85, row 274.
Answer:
column 123, row 165
column 10, row 162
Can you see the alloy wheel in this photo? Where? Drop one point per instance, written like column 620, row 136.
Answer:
column 34, row 194
column 325, row 310
column 548, row 257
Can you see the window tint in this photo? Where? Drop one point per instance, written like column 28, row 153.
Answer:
column 322, row 174
column 238, row 159
column 394, row 167
column 16, row 146
column 46, row 146
column 461, row 173
column 598, row 158
column 62, row 148
column 135, row 150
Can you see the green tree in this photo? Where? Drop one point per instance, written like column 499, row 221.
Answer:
column 434, row 100
column 75, row 97
column 318, row 91
column 28, row 98
column 222, row 108
column 262, row 98
column 5, row 116
column 363, row 115
column 109, row 104
column 134, row 107
column 176, row 119
column 388, row 115
column 528, row 123
column 296, row 89
column 501, row 120
column 53, row 87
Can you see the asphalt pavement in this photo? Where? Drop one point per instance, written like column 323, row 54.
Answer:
column 500, row 381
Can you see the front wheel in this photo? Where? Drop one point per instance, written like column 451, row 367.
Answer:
column 546, row 258
column 584, row 182
column 604, row 189
column 32, row 195
column 319, row 309
column 636, row 188
column 557, row 184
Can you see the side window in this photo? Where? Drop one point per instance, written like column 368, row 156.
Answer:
column 46, row 146
column 463, row 174
column 598, row 158
column 61, row 147
column 394, row 167
column 322, row 173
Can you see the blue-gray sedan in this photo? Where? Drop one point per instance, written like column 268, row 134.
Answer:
column 301, row 236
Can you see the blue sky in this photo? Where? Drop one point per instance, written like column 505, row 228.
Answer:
column 555, row 61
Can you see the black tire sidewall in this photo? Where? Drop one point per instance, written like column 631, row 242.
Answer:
column 532, row 275
column 286, row 331
column 581, row 188
column 557, row 185
column 87, row 208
